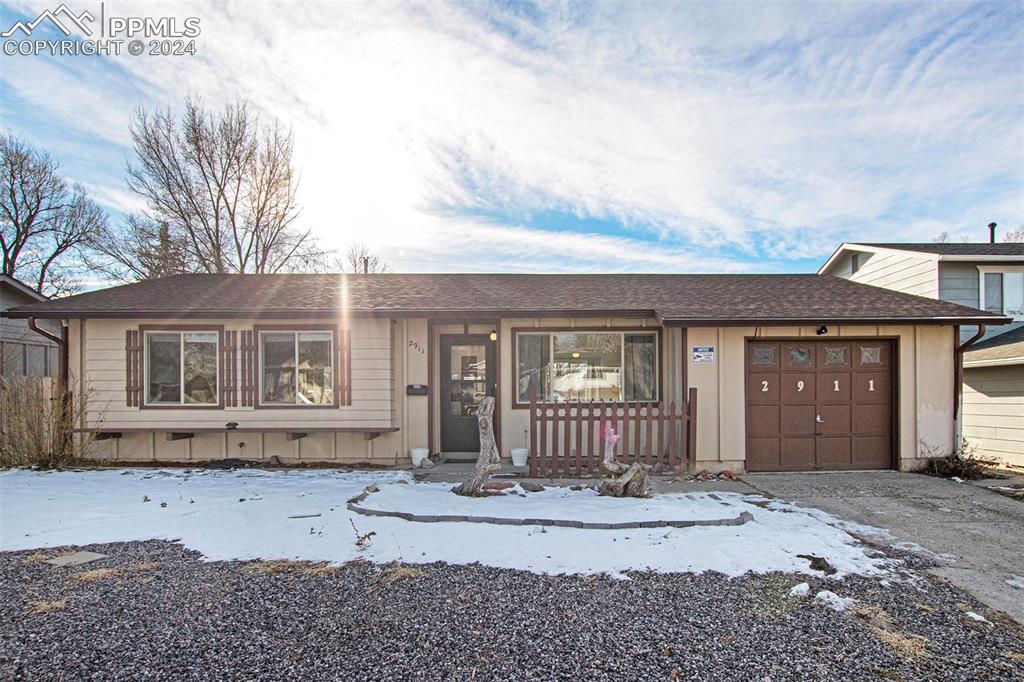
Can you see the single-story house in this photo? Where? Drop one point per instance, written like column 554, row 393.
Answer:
column 987, row 275
column 738, row 372
column 24, row 353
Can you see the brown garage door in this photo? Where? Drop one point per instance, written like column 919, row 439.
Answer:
column 819, row 405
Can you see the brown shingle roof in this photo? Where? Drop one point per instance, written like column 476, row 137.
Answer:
column 954, row 249
column 1005, row 346
column 709, row 299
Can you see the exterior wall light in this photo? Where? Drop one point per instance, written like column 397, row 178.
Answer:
column 493, row 335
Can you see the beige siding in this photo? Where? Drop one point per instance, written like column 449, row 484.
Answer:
column 910, row 274
column 99, row 347
column 993, row 412
column 925, row 389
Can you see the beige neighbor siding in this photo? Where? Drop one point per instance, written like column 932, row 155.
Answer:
column 993, row 412
column 900, row 272
column 97, row 351
column 925, row 377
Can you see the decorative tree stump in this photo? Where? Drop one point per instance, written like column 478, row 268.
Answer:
column 489, row 461
column 622, row 480
column 633, row 483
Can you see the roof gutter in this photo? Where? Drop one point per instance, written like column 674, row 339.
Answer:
column 62, row 349
column 958, row 366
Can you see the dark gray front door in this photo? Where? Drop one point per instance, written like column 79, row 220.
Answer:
column 467, row 376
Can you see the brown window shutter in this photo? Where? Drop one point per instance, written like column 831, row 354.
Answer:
column 133, row 367
column 249, row 370
column 343, row 375
column 229, row 369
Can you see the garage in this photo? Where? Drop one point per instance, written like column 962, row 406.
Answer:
column 819, row 404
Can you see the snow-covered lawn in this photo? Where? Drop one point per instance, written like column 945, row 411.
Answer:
column 302, row 515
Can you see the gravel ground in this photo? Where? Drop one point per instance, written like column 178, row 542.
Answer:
column 165, row 614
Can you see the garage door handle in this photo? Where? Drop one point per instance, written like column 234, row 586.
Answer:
column 819, row 419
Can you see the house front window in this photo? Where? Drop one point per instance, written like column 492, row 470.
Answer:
column 587, row 366
column 181, row 367
column 297, row 368
column 1002, row 291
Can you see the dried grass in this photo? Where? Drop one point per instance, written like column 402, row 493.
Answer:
column 35, row 558
column 36, row 424
column 148, row 566
column 96, row 575
column 881, row 625
column 48, row 606
column 398, row 571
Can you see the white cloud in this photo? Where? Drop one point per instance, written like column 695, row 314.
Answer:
column 717, row 134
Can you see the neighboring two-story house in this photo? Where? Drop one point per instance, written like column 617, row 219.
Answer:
column 988, row 276
column 23, row 352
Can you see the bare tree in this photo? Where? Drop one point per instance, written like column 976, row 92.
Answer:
column 220, row 192
column 44, row 220
column 942, row 238
column 359, row 258
column 1016, row 236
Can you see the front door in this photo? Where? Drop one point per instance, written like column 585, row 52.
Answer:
column 467, row 376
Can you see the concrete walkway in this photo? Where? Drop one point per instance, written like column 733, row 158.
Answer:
column 980, row 532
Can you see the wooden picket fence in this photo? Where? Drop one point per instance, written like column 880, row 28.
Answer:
column 567, row 438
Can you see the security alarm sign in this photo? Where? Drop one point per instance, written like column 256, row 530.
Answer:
column 703, row 353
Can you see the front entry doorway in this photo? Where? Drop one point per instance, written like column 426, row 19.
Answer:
column 467, row 377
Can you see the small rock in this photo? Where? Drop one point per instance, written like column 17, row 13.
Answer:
column 275, row 461
column 427, row 464
column 371, row 489
column 531, row 487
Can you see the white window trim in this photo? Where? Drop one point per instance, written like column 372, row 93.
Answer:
column 181, row 368
column 994, row 269
column 295, row 333
column 622, row 357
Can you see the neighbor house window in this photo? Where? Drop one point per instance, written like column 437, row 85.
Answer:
column 563, row 366
column 1002, row 291
column 297, row 368
column 181, row 367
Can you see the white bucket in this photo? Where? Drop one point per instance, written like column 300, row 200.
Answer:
column 519, row 456
column 419, row 455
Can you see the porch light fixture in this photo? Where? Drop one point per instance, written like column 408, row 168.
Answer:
column 575, row 354
column 493, row 335
column 822, row 330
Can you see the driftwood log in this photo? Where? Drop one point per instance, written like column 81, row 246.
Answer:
column 622, row 480
column 489, row 461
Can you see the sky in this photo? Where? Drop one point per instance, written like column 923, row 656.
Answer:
column 580, row 137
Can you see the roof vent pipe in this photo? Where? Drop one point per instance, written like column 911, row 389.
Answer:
column 991, row 233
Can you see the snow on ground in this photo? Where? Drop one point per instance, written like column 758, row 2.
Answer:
column 251, row 515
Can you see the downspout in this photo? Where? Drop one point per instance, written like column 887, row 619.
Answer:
column 62, row 349
column 958, row 369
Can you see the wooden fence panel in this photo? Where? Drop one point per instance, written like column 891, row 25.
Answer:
column 568, row 438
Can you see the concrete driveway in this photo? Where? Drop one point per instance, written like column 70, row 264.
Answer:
column 979, row 533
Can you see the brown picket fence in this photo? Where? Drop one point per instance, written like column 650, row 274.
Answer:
column 567, row 438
